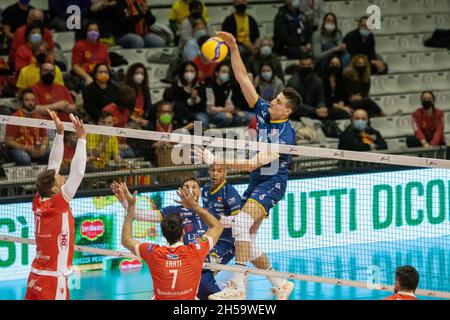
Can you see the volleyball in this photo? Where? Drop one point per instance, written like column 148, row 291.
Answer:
column 215, row 49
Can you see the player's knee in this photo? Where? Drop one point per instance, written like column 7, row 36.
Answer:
column 241, row 227
column 255, row 250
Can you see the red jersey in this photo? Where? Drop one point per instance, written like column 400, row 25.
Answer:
column 54, row 234
column 26, row 136
column 429, row 128
column 19, row 39
column 176, row 270
column 120, row 115
column 205, row 70
column 401, row 296
column 87, row 55
column 50, row 94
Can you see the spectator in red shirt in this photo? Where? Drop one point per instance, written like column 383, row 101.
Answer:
column 26, row 144
column 70, row 145
column 204, row 66
column 37, row 16
column 406, row 282
column 429, row 124
column 89, row 52
column 24, row 54
column 121, row 109
column 137, row 78
column 52, row 96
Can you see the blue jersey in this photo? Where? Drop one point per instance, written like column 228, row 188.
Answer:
column 194, row 227
column 224, row 201
column 280, row 132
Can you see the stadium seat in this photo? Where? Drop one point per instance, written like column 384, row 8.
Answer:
column 447, row 123
column 266, row 29
column 401, row 44
column 393, row 127
column 217, row 14
column 443, row 100
column 156, row 72
column 392, row 103
column 410, row 62
column 441, row 59
column 345, row 9
column 132, row 55
column 65, row 40
column 343, row 124
column 428, row 23
column 40, row 4
column 156, row 94
column 384, row 85
column 396, row 144
column 265, row 12
column 161, row 14
column 6, row 3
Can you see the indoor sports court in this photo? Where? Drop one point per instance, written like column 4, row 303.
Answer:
column 359, row 170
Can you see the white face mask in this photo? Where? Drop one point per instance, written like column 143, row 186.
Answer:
column 189, row 76
column 330, row 27
column 138, row 78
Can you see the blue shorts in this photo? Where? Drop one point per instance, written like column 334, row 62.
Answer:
column 222, row 252
column 266, row 194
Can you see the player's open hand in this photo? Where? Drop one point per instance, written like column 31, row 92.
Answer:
column 116, row 188
column 58, row 123
column 186, row 199
column 130, row 198
column 80, row 130
column 228, row 38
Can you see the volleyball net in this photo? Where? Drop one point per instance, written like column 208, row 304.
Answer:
column 347, row 218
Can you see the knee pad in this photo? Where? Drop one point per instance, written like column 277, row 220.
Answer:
column 241, row 227
column 255, row 250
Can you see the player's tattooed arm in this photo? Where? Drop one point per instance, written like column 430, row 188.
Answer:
column 140, row 214
column 127, row 229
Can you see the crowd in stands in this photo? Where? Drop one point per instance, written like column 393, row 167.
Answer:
column 332, row 75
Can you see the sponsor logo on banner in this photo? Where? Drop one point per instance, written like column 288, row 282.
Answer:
column 130, row 265
column 92, row 229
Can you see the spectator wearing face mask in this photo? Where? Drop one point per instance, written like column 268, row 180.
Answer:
column 137, row 78
column 188, row 92
column 360, row 136
column 244, row 27
column 100, row 93
column 52, row 96
column 428, row 124
column 35, row 16
column 24, row 54
column 268, row 85
column 204, row 66
column 89, row 52
column 265, row 54
column 334, row 93
column 292, row 32
column 13, row 17
column 186, row 27
column 192, row 49
column 219, row 103
column 310, row 87
column 29, row 75
column 179, row 11
column 362, row 41
column 327, row 41
column 26, row 144
column 357, row 76
column 314, row 11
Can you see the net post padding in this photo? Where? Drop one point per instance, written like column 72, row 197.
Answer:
column 221, row 267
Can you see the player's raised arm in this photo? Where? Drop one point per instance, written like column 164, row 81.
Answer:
column 239, row 70
column 78, row 165
column 127, row 228
column 57, row 152
column 215, row 228
column 122, row 193
column 260, row 159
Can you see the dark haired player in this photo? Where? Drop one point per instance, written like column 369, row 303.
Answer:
column 54, row 231
column 406, row 282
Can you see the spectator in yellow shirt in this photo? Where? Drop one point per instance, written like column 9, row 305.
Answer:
column 30, row 74
column 179, row 11
column 101, row 148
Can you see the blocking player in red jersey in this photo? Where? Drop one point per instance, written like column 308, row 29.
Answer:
column 175, row 268
column 406, row 282
column 54, row 231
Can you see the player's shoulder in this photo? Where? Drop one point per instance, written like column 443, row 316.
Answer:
column 206, row 188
